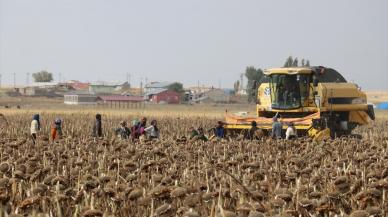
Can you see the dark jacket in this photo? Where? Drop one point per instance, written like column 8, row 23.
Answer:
column 220, row 132
column 123, row 132
column 135, row 131
column 97, row 127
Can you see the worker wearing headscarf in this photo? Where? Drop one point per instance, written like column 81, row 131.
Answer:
column 97, row 127
column 153, row 130
column 135, row 129
column 35, row 127
column 291, row 131
column 123, row 131
column 56, row 129
column 143, row 125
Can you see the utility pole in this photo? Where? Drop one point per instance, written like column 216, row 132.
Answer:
column 28, row 79
column 241, row 81
column 141, row 85
column 14, row 80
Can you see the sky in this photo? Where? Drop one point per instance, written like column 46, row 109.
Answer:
column 191, row 41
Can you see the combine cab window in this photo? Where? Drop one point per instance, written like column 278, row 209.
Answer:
column 289, row 91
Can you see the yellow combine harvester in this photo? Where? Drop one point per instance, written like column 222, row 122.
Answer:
column 317, row 100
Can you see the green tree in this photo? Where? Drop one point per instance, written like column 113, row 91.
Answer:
column 295, row 62
column 254, row 77
column 177, row 87
column 42, row 76
column 289, row 62
column 236, row 86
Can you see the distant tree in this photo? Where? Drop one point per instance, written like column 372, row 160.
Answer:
column 254, row 77
column 236, row 86
column 177, row 87
column 289, row 62
column 42, row 76
column 295, row 62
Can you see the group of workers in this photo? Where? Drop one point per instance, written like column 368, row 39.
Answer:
column 277, row 128
column 140, row 131
column 217, row 132
column 55, row 131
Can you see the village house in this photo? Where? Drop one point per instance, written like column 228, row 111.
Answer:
column 76, row 85
column 80, row 98
column 163, row 96
column 156, row 86
column 107, row 88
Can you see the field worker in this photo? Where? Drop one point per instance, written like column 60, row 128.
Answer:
column 123, row 131
column 255, row 133
column 135, row 129
column 291, row 131
column 56, row 129
column 201, row 135
column 153, row 130
column 192, row 132
column 220, row 130
column 276, row 128
column 35, row 127
column 252, row 131
column 143, row 125
column 97, row 127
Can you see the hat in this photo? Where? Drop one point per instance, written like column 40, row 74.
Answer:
column 58, row 121
column 135, row 122
column 35, row 117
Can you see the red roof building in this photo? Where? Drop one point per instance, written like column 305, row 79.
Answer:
column 165, row 96
column 76, row 85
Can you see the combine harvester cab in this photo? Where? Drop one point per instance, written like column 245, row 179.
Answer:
column 317, row 100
